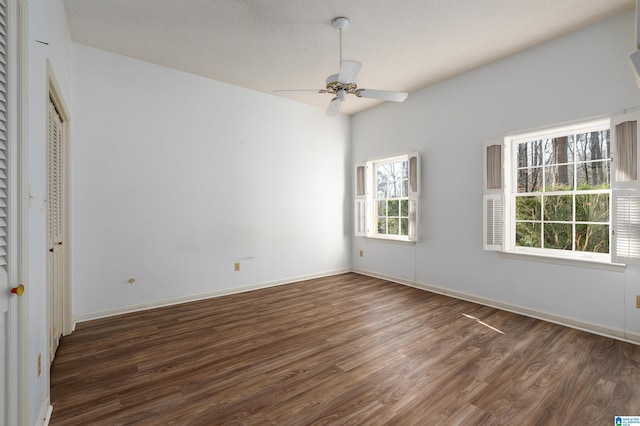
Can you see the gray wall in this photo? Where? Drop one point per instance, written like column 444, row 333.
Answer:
column 579, row 76
column 177, row 177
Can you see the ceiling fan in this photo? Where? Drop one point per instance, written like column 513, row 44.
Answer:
column 344, row 83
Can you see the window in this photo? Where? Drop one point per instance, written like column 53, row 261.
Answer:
column 387, row 198
column 561, row 192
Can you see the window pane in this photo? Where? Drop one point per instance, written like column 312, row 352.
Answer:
column 592, row 238
column 528, row 208
column 558, row 236
column 558, row 207
column 592, row 207
column 530, row 154
column 404, row 208
column 592, row 146
column 382, row 225
column 393, row 206
column 382, row 189
column 382, row 208
column 404, row 226
column 530, row 180
column 547, row 150
column 390, row 178
column 528, row 234
column 394, row 226
column 559, row 150
column 405, row 188
column 397, row 189
column 559, row 178
column 593, row 175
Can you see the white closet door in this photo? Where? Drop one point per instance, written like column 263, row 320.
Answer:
column 10, row 353
column 55, row 203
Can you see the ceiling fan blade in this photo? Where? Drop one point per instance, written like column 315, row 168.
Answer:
column 334, row 106
column 382, row 94
column 349, row 71
column 299, row 90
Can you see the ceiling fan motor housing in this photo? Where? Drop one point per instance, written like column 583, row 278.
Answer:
column 334, row 86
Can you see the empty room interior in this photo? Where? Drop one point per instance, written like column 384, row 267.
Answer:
column 320, row 212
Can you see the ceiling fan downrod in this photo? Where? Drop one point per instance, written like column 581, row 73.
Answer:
column 340, row 24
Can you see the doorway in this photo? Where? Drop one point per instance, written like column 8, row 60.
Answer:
column 58, row 286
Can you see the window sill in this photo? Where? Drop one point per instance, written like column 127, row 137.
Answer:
column 390, row 240
column 583, row 263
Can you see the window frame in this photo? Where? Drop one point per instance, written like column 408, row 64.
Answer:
column 377, row 199
column 511, row 190
column 366, row 215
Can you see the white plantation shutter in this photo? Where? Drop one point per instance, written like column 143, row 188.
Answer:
column 625, row 154
column 414, row 196
column 414, row 219
column 493, row 196
column 359, row 208
column 360, row 217
column 625, row 189
column 625, row 247
column 493, row 222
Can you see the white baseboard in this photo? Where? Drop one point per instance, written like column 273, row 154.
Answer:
column 516, row 309
column 618, row 334
column 632, row 337
column 185, row 299
column 45, row 413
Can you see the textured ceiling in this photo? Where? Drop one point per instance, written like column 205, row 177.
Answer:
column 264, row 45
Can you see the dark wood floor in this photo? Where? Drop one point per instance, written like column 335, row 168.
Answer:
column 347, row 349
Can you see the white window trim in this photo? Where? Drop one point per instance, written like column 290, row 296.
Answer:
column 511, row 184
column 364, row 206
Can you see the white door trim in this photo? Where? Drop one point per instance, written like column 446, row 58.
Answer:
column 54, row 92
column 23, row 214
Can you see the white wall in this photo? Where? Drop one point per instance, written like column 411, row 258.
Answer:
column 176, row 177
column 48, row 43
column 581, row 75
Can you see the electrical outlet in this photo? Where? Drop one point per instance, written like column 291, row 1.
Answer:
column 39, row 364
column 361, row 253
column 638, row 301
column 236, row 266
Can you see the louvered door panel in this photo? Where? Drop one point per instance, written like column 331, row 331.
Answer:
column 54, row 194
column 4, row 155
column 8, row 313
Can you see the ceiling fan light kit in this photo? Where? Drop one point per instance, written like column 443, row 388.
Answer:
column 344, row 83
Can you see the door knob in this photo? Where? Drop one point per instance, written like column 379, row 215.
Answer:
column 18, row 290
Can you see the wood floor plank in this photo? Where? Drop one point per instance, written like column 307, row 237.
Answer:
column 346, row 349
